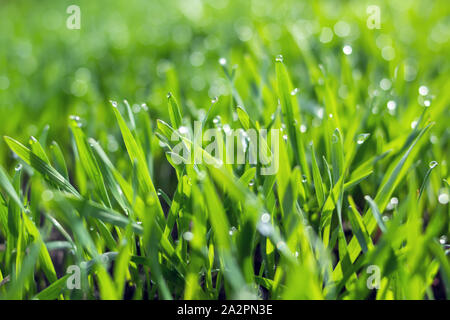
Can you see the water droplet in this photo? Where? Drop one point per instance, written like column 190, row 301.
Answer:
column 285, row 137
column 334, row 138
column 104, row 259
column 385, row 84
column 388, row 53
column 303, row 128
column 18, row 167
column 216, row 120
column 326, row 35
column 113, row 103
column 320, row 112
column 215, row 99
column 443, row 240
column 433, row 164
column 362, row 138
column 392, row 204
column 304, row 178
column 136, row 108
column 222, row 61
column 385, row 218
column 183, row 130
column 443, row 198
column 251, row 183
column 423, row 90
column 279, row 58
column 413, row 124
column 391, row 105
column 427, row 103
column 342, row 29
column 294, row 92
column 188, row 236
column 169, row 94
column 232, row 231
column 347, row 50
column 265, row 217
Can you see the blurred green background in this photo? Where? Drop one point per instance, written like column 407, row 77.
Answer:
column 140, row 50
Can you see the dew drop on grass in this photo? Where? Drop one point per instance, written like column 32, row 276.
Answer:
column 413, row 124
column 347, row 50
column 385, row 84
column 183, row 130
column 18, row 167
column 169, row 94
column 362, row 138
column 136, row 108
column 427, row 103
column 251, row 183
column 303, row 128
column 423, row 90
column 433, row 164
column 391, row 105
column 334, row 138
column 214, row 100
column 443, row 240
column 279, row 58
column 392, row 204
column 222, row 61
column 104, row 259
column 294, row 92
column 113, row 103
column 216, row 120
column 285, row 137
column 320, row 112
column 265, row 217
column 304, row 179
column 232, row 231
column 188, row 236
column 388, row 53
column 443, row 198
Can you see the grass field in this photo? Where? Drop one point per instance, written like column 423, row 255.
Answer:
column 95, row 205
